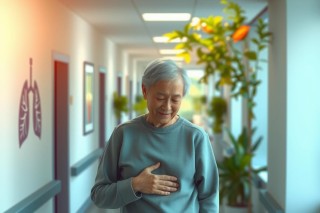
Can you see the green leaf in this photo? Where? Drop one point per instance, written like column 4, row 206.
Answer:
column 172, row 35
column 245, row 161
column 256, row 144
column 261, row 47
column 180, row 46
column 187, row 28
column 231, row 137
column 261, row 169
column 186, row 56
column 251, row 55
column 255, row 41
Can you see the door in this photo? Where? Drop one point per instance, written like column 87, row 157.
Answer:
column 61, row 134
column 102, row 115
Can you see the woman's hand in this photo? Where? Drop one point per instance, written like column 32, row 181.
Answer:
column 149, row 183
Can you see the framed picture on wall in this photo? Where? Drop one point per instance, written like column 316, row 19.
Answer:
column 88, row 98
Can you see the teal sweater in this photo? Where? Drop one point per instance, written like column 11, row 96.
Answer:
column 184, row 151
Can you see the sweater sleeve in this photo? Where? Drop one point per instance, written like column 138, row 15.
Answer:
column 207, row 177
column 109, row 191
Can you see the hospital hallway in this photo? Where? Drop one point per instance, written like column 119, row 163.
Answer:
column 71, row 72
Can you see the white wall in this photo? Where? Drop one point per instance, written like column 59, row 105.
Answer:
column 303, row 112
column 35, row 29
column 294, row 105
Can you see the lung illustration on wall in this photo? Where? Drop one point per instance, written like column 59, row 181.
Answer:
column 24, row 109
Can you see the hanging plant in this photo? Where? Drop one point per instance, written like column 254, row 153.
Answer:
column 140, row 105
column 120, row 104
column 217, row 109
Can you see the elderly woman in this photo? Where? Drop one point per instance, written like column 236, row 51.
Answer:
column 159, row 162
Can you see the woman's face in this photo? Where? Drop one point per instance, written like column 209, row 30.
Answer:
column 163, row 101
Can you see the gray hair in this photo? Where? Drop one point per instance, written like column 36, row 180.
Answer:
column 164, row 69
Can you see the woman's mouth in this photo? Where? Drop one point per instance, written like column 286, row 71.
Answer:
column 164, row 113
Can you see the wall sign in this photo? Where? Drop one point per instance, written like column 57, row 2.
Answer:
column 24, row 109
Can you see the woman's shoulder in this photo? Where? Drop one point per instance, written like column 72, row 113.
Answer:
column 135, row 122
column 193, row 127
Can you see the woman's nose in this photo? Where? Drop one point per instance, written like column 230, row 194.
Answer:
column 167, row 105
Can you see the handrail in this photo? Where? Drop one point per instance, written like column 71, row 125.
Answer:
column 85, row 206
column 81, row 165
column 269, row 203
column 37, row 199
column 258, row 182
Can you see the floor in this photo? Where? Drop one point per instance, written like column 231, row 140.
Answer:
column 94, row 209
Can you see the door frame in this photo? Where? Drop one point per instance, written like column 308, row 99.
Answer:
column 102, row 103
column 65, row 181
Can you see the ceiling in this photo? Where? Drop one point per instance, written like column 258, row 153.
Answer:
column 121, row 20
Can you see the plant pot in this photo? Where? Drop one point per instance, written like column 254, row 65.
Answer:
column 231, row 209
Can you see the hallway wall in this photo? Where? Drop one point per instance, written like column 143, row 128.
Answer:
column 36, row 29
column 294, row 103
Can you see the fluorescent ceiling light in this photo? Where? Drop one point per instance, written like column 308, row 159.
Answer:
column 195, row 73
column 174, row 58
column 164, row 39
column 166, row 16
column 170, row 51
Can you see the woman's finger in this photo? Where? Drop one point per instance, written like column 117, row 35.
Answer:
column 167, row 177
column 169, row 183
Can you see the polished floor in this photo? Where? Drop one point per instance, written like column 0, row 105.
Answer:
column 94, row 209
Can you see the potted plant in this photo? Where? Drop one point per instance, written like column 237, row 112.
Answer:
column 221, row 45
column 120, row 105
column 234, row 172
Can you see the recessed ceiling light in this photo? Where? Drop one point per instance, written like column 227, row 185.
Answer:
column 170, row 51
column 164, row 39
column 166, row 16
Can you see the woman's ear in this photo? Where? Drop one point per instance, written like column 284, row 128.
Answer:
column 144, row 91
